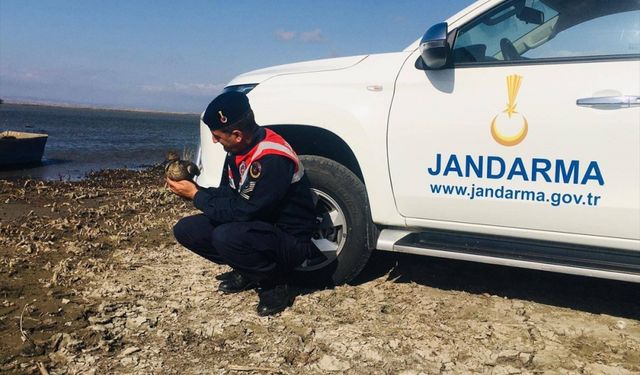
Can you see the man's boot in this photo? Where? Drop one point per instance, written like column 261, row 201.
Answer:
column 236, row 283
column 226, row 275
column 274, row 299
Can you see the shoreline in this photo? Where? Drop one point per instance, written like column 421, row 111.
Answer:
column 94, row 107
column 22, row 174
column 84, row 140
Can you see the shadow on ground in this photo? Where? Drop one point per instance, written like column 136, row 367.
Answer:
column 591, row 295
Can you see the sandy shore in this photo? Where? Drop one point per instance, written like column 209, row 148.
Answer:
column 92, row 282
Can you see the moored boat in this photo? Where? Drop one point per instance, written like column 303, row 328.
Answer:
column 21, row 148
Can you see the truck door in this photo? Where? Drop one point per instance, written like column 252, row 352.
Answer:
column 534, row 124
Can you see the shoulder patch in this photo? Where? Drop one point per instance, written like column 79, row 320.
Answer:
column 255, row 170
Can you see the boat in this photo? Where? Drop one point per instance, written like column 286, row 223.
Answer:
column 18, row 148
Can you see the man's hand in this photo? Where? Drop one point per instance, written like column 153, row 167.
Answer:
column 184, row 188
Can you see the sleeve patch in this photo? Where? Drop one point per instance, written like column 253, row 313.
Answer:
column 255, row 170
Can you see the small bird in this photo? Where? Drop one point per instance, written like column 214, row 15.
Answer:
column 179, row 170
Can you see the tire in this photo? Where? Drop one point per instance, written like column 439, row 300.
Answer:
column 344, row 222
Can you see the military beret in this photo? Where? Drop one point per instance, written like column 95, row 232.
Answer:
column 226, row 109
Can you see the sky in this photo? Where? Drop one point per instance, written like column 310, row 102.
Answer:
column 178, row 55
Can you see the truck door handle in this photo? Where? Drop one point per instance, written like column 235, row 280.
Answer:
column 624, row 101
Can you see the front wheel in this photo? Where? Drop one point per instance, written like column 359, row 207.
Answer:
column 344, row 222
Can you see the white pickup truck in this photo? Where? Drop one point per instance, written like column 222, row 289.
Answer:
column 509, row 134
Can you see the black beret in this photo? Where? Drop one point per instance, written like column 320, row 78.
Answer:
column 226, row 109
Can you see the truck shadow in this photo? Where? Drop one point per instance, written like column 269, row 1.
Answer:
column 597, row 296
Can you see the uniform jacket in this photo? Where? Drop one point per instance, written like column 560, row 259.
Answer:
column 266, row 182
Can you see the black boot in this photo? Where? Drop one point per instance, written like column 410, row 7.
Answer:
column 274, row 299
column 226, row 275
column 236, row 283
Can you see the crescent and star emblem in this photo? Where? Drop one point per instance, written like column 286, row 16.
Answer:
column 223, row 118
column 513, row 86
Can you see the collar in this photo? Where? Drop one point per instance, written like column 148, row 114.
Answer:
column 258, row 137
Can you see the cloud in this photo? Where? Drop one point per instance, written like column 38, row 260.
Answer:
column 285, row 35
column 199, row 89
column 312, row 36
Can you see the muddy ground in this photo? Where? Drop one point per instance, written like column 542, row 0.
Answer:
column 92, row 282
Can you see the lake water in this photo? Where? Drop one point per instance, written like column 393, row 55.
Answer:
column 85, row 140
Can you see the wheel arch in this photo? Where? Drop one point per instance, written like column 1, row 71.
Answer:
column 312, row 140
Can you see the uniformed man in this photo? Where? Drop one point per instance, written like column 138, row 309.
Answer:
column 261, row 218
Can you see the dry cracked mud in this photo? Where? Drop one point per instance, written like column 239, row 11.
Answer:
column 92, row 282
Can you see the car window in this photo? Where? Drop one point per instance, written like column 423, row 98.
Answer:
column 615, row 34
column 529, row 30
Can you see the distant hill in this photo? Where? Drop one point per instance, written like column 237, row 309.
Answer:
column 28, row 101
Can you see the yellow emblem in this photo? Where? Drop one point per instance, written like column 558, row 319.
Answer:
column 255, row 170
column 512, row 128
column 223, row 118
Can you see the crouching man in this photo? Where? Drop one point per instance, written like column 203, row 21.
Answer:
column 261, row 218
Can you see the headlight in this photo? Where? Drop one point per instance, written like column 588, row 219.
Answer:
column 245, row 89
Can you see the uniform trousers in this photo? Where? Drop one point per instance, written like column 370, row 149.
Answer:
column 259, row 250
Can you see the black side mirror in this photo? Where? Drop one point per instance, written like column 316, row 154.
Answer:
column 434, row 48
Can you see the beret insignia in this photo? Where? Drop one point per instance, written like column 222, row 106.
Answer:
column 223, row 118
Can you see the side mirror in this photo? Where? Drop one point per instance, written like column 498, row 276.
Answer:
column 434, row 48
